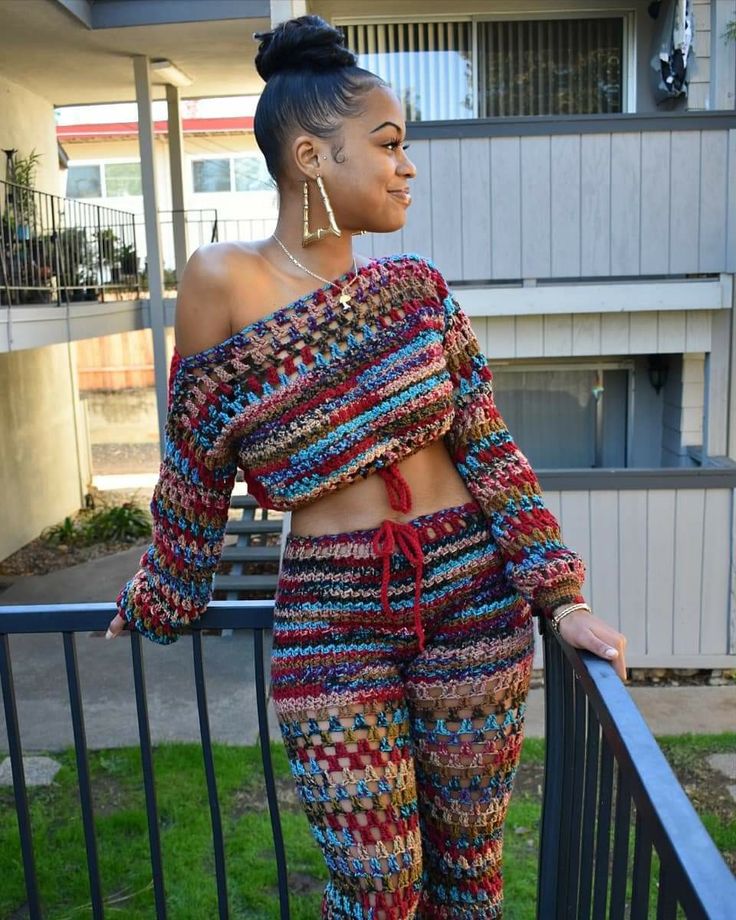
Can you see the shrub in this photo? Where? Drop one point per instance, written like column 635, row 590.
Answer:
column 124, row 523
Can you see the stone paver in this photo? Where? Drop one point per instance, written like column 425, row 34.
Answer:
column 724, row 763
column 38, row 771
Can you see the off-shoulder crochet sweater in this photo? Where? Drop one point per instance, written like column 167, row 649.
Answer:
column 313, row 396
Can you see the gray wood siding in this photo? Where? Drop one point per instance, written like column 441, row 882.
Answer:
column 609, row 204
column 660, row 568
column 587, row 334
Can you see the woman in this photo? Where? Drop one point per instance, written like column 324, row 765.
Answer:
column 419, row 545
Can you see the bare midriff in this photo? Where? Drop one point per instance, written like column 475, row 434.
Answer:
column 432, row 478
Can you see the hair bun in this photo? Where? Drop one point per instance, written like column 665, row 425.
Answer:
column 304, row 43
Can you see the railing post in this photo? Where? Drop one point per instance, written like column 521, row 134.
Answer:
column 273, row 805
column 22, row 810
column 144, row 734
column 83, row 775
column 549, row 861
column 210, row 776
column 58, row 264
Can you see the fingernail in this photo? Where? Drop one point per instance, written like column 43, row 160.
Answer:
column 611, row 653
column 109, row 634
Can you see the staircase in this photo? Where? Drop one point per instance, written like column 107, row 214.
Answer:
column 253, row 560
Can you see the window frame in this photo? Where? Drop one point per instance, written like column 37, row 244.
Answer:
column 201, row 157
column 231, row 158
column 117, row 161
column 101, row 164
column 627, row 364
column 606, row 10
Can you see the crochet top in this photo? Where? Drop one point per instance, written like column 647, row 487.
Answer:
column 312, row 396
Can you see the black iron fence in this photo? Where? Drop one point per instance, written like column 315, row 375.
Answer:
column 58, row 250
column 602, row 763
column 619, row 836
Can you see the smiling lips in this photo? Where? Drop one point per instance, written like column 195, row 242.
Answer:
column 402, row 194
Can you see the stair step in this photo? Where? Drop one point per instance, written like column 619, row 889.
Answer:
column 268, row 526
column 251, row 553
column 246, row 582
column 243, row 501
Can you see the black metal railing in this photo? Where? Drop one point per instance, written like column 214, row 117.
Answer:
column 69, row 619
column 607, row 785
column 205, row 225
column 602, row 763
column 58, row 250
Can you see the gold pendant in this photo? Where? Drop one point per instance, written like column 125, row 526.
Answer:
column 344, row 299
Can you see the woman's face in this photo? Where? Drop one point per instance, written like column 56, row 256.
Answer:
column 366, row 171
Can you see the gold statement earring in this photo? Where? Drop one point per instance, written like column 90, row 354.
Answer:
column 310, row 236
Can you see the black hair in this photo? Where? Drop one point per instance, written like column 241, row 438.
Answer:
column 312, row 82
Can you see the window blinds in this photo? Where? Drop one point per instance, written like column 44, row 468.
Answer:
column 428, row 64
column 523, row 67
column 550, row 67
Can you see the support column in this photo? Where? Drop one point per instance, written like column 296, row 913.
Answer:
column 153, row 238
column 176, row 168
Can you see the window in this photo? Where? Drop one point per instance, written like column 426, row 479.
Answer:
column 231, row 174
column 550, row 67
column 428, row 64
column 84, row 182
column 251, row 175
column 566, row 418
column 104, row 180
column 211, row 175
column 123, row 179
column 493, row 67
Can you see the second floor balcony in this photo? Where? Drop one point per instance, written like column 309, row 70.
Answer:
column 56, row 250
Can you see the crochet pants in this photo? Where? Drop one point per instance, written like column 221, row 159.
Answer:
column 401, row 699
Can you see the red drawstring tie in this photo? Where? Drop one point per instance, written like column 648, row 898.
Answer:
column 395, row 533
column 399, row 493
column 385, row 540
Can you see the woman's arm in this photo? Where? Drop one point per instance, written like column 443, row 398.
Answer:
column 190, row 501
column 546, row 572
column 543, row 569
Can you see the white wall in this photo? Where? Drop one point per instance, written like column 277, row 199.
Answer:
column 26, row 122
column 43, row 449
column 43, row 472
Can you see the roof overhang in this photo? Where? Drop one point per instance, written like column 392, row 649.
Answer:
column 125, row 129
column 76, row 52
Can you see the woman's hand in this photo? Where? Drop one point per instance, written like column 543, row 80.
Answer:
column 116, row 626
column 584, row 630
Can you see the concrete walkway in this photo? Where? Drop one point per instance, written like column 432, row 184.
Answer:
column 107, row 683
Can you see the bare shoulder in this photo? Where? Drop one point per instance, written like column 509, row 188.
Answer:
column 210, row 289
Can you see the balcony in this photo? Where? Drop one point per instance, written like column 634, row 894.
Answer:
column 617, row 829
column 61, row 253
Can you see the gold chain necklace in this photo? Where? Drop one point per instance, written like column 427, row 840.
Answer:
column 344, row 297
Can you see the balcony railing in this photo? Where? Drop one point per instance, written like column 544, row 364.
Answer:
column 59, row 250
column 205, row 225
column 602, row 763
column 571, row 197
column 593, row 731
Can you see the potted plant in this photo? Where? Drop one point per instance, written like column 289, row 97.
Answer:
column 22, row 198
column 128, row 259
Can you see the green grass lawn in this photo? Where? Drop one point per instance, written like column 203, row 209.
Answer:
column 187, row 842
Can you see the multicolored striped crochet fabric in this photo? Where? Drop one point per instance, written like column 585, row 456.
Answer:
column 311, row 397
column 404, row 758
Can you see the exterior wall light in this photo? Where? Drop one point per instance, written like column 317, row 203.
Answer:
column 657, row 371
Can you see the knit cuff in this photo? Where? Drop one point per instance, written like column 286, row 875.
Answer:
column 550, row 597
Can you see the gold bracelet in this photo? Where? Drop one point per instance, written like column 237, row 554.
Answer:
column 555, row 619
